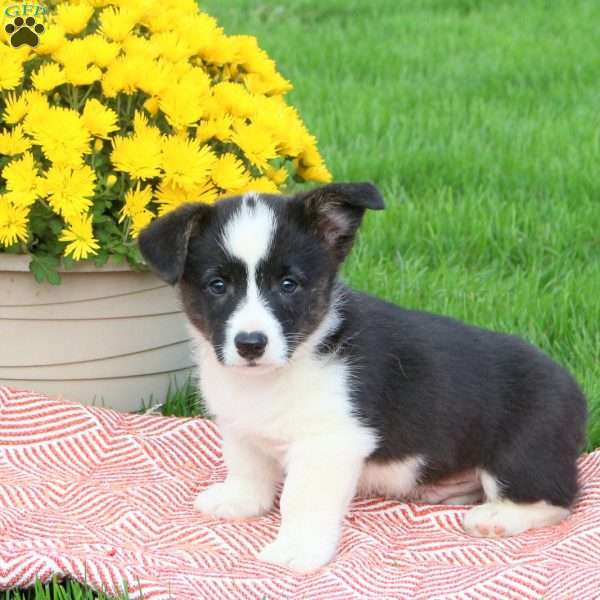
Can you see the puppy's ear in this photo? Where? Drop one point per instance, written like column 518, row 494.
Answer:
column 336, row 211
column 164, row 243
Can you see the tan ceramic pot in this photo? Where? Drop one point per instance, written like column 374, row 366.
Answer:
column 108, row 336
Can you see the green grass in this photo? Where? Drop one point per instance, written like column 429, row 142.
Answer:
column 479, row 120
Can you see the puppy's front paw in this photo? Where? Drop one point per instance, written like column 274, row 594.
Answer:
column 300, row 554
column 233, row 500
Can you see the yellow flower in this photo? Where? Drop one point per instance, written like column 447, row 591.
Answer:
column 158, row 77
column 256, row 143
column 284, row 124
column 135, row 208
column 215, row 128
column 220, row 51
column 81, row 237
column 101, row 52
column 62, row 135
column 136, row 45
column 13, row 222
column 200, row 31
column 47, row 77
column 13, row 141
column 22, row 180
column 180, row 108
column 152, row 105
column 123, row 75
column 318, row 173
column 169, row 197
column 52, row 40
column 309, row 164
column 11, row 72
column 69, row 190
column 185, row 163
column 277, row 176
column 116, row 23
column 234, row 99
column 15, row 108
column 172, row 46
column 99, row 120
column 73, row 18
column 261, row 184
column 139, row 155
column 229, row 173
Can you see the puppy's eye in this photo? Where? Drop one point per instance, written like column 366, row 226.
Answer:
column 217, row 286
column 288, row 285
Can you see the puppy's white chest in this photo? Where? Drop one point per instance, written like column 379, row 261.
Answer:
column 307, row 398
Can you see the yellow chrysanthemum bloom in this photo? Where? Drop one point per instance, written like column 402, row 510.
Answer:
column 13, row 222
column 15, row 109
column 81, row 237
column 22, row 181
column 169, row 197
column 99, row 120
column 185, row 163
column 11, row 72
column 73, row 17
column 219, row 129
column 135, row 208
column 229, row 173
column 256, row 143
column 52, row 40
column 123, row 75
column 101, row 51
column 139, row 155
column 47, row 77
column 69, row 190
column 116, row 24
column 234, row 99
column 277, row 176
column 172, row 46
column 62, row 136
column 12, row 141
column 182, row 107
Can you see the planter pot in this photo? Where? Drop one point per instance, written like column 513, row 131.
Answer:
column 109, row 336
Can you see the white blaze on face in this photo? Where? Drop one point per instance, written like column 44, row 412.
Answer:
column 248, row 236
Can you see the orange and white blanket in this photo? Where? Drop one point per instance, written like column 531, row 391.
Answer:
column 105, row 497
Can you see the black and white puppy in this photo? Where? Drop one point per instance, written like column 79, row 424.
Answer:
column 340, row 391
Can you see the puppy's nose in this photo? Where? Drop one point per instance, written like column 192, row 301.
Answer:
column 250, row 345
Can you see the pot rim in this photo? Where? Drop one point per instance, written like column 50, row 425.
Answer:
column 19, row 263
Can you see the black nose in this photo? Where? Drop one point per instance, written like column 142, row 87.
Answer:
column 251, row 345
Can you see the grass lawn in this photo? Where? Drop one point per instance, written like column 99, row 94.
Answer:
column 479, row 120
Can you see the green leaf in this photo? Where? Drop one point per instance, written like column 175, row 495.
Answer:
column 55, row 225
column 101, row 259
column 45, row 268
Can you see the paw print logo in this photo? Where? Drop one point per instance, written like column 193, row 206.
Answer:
column 24, row 31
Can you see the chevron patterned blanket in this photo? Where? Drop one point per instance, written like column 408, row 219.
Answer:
column 105, row 497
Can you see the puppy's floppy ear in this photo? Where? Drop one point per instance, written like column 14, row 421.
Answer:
column 164, row 243
column 336, row 211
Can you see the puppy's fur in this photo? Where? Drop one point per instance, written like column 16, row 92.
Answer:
column 336, row 390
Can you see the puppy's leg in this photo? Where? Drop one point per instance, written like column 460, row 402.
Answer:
column 249, row 487
column 321, row 480
column 523, row 494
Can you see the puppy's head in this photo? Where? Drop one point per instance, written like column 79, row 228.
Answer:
column 256, row 272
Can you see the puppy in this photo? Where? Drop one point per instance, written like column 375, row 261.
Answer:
column 337, row 391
